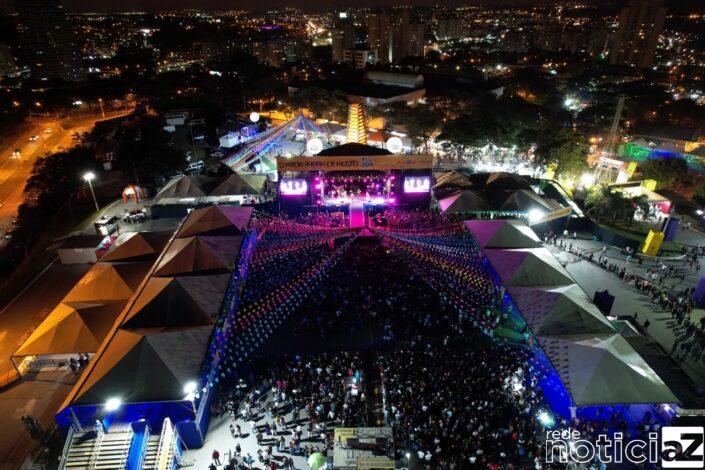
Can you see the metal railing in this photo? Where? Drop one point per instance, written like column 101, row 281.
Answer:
column 100, row 432
column 67, row 447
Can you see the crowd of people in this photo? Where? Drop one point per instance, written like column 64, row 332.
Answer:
column 460, row 407
column 291, row 407
column 389, row 337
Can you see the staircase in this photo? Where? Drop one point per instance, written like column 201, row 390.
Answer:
column 78, row 453
column 150, row 455
column 113, row 450
column 100, row 450
column 97, row 450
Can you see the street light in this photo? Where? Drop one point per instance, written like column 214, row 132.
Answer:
column 102, row 111
column 88, row 177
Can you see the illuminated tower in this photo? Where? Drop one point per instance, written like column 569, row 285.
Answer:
column 357, row 124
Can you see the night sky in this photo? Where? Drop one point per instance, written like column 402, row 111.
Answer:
column 126, row 5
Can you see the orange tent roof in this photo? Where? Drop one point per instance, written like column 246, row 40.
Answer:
column 108, row 282
column 72, row 328
column 216, row 220
column 199, row 255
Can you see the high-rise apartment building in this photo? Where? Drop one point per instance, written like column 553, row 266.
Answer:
column 450, row 28
column 379, row 37
column 48, row 44
column 635, row 40
column 342, row 36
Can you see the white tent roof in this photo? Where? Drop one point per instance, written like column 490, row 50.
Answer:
column 186, row 186
column 560, row 311
column 503, row 234
column 594, row 361
column 525, row 200
column 464, row 201
column 528, row 267
column 237, row 184
column 605, row 370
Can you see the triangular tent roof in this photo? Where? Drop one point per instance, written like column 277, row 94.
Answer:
column 186, row 186
column 503, row 181
column 171, row 302
column 503, row 234
column 107, row 282
column 560, row 311
column 528, row 267
column 525, row 199
column 450, row 182
column 237, row 184
column 145, row 365
column 605, row 370
column 216, row 220
column 72, row 328
column 132, row 246
column 464, row 201
column 200, row 254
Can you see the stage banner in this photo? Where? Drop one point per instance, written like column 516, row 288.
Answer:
column 356, row 163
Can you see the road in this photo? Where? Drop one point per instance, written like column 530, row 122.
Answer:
column 52, row 138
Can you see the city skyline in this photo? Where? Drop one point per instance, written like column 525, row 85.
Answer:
column 137, row 5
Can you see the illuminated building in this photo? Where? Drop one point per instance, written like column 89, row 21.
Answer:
column 47, row 42
column 357, row 124
column 640, row 25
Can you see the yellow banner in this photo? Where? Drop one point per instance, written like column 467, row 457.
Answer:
column 356, row 163
column 374, row 463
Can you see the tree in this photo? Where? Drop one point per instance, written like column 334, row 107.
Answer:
column 419, row 120
column 565, row 150
column 667, row 171
column 604, row 201
column 53, row 181
column 320, row 102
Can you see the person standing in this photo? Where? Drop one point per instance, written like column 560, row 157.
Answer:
column 216, row 457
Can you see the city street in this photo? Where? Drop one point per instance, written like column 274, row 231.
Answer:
column 51, row 138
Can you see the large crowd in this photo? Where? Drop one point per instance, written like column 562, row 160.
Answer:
column 378, row 343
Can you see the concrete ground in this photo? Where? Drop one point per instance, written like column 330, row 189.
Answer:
column 41, row 395
column 219, row 438
column 629, row 301
column 38, row 395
